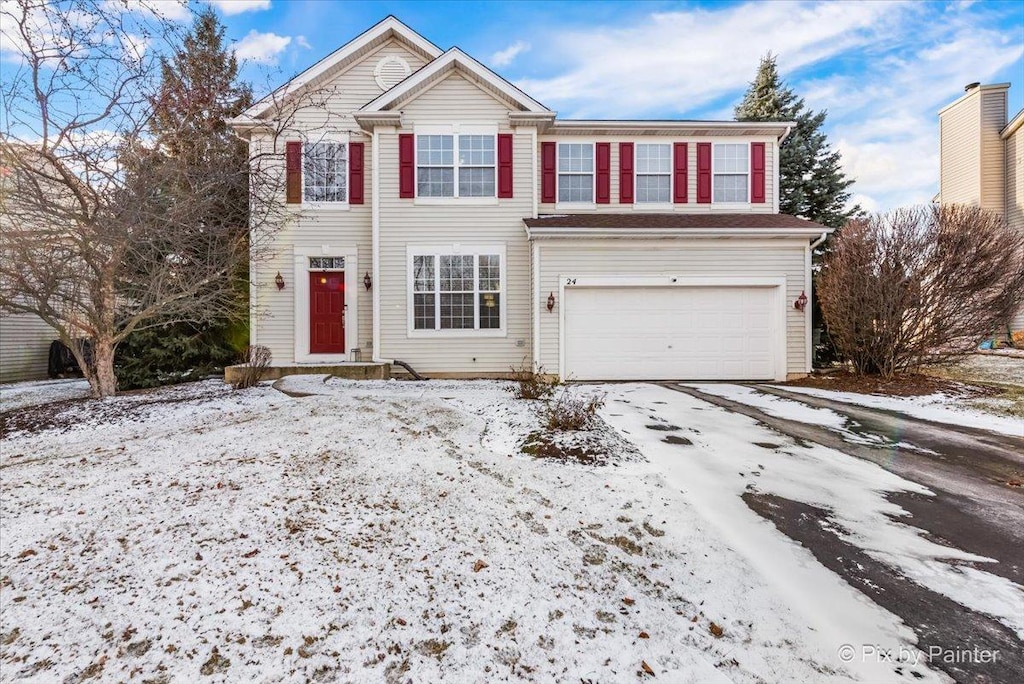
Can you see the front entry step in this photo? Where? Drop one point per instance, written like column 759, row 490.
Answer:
column 348, row 371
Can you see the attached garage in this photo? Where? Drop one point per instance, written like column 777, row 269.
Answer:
column 672, row 296
column 727, row 330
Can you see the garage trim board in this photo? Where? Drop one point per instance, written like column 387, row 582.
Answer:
column 768, row 290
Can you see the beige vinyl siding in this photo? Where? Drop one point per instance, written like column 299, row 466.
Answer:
column 959, row 174
column 691, row 206
column 405, row 222
column 24, row 347
column 768, row 258
column 993, row 153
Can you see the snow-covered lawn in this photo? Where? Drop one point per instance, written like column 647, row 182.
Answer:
column 386, row 531
column 21, row 394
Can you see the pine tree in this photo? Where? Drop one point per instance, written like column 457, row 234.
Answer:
column 199, row 90
column 812, row 184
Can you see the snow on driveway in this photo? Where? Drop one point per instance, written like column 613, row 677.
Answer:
column 732, row 453
column 387, row 531
column 938, row 408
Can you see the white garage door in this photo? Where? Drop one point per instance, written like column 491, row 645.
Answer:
column 663, row 333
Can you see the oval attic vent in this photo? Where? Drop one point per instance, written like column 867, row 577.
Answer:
column 390, row 70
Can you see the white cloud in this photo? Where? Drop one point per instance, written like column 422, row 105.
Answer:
column 232, row 7
column 504, row 57
column 302, row 42
column 262, row 48
column 682, row 60
column 175, row 10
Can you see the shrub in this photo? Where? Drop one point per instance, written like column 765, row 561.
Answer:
column 571, row 411
column 921, row 285
column 176, row 352
column 257, row 359
column 532, row 383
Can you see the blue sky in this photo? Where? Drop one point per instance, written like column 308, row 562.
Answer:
column 881, row 69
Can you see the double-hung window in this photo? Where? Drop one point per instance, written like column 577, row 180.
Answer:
column 440, row 172
column 456, row 291
column 325, row 172
column 653, row 173
column 731, row 167
column 575, row 172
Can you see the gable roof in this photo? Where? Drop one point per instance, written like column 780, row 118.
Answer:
column 455, row 60
column 375, row 36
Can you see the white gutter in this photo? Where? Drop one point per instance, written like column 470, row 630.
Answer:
column 824, row 236
column 808, row 290
column 538, row 233
column 789, row 129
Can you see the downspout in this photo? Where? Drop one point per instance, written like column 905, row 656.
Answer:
column 375, row 243
column 808, row 285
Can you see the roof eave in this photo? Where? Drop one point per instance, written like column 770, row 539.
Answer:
column 544, row 232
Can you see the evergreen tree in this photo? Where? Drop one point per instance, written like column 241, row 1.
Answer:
column 199, row 90
column 812, row 184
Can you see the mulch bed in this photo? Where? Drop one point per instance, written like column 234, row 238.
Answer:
column 908, row 385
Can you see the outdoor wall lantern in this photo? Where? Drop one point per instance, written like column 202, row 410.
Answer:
column 551, row 301
column 279, row 281
column 367, row 282
column 801, row 302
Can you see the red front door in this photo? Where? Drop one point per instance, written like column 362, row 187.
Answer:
column 326, row 312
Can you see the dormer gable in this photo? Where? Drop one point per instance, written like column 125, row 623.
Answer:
column 386, row 71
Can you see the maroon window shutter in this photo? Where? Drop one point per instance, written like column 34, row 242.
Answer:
column 293, row 172
column 547, row 175
column 680, row 166
column 504, row 165
column 604, row 173
column 703, row 173
column 757, row 173
column 406, row 165
column 626, row 173
column 355, row 173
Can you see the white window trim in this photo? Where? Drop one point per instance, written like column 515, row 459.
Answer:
column 454, row 130
column 636, row 174
column 592, row 204
column 338, row 137
column 746, row 173
column 300, row 280
column 438, row 251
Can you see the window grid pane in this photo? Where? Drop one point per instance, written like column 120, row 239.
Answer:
column 456, row 273
column 324, row 172
column 434, row 150
column 490, row 310
column 575, row 188
column 651, row 188
column 731, row 158
column 490, row 273
column 476, row 150
column 435, row 182
column 457, row 311
column 730, row 188
column 423, row 311
column 654, row 159
column 423, row 273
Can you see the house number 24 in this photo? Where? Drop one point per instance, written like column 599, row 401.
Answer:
column 570, row 281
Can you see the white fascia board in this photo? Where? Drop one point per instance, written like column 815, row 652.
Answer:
column 451, row 58
column 637, row 233
column 388, row 25
column 775, row 128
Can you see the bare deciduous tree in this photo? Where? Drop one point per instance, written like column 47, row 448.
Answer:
column 102, row 234
column 920, row 285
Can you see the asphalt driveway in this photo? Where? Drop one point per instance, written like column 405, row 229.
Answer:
column 970, row 500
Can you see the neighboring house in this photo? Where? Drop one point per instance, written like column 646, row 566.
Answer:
column 447, row 219
column 981, row 156
column 24, row 347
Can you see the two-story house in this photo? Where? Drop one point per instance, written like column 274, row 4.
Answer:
column 981, row 157
column 447, row 219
